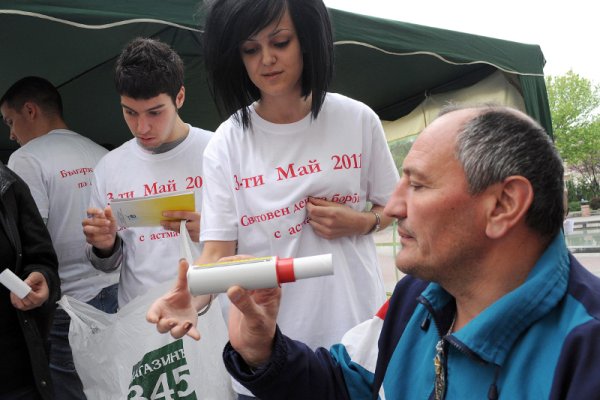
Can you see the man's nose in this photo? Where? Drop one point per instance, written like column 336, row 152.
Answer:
column 396, row 205
column 142, row 125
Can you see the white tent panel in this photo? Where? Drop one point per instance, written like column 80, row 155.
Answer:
column 498, row 88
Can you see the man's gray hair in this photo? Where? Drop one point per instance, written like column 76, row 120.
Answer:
column 500, row 142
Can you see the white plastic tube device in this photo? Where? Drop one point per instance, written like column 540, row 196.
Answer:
column 255, row 273
column 13, row 283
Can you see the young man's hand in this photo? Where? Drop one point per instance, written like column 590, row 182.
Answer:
column 100, row 229
column 192, row 222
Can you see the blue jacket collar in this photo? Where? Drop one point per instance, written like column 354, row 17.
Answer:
column 492, row 333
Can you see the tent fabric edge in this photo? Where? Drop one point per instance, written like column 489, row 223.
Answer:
column 102, row 26
column 433, row 54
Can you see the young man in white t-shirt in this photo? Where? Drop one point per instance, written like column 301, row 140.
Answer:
column 165, row 155
column 57, row 165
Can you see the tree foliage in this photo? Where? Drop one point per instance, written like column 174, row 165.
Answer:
column 399, row 149
column 574, row 105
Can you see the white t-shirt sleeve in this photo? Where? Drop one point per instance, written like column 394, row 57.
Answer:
column 383, row 174
column 219, row 214
column 32, row 172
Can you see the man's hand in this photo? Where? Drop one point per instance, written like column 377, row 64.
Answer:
column 175, row 312
column 192, row 222
column 332, row 220
column 38, row 295
column 252, row 322
column 100, row 229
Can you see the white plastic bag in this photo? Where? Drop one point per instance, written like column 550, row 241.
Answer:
column 122, row 356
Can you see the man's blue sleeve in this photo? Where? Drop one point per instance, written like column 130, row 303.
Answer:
column 295, row 372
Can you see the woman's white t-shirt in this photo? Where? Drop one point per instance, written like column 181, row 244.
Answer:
column 256, row 185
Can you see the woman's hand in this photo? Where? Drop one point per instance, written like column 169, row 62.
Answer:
column 176, row 311
column 332, row 220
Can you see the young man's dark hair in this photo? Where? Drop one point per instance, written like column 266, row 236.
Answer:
column 147, row 68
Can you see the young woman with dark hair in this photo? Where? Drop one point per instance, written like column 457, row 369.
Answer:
column 293, row 169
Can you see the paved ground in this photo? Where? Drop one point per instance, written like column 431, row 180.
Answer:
column 590, row 260
column 587, row 241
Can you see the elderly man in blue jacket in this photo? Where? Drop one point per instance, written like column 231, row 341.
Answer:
column 493, row 305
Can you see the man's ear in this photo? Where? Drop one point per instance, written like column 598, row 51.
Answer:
column 511, row 200
column 180, row 98
column 30, row 110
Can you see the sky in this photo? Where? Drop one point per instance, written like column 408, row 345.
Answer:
column 567, row 32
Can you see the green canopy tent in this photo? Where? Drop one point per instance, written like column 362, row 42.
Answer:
column 390, row 65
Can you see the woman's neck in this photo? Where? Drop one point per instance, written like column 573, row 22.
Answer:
column 283, row 111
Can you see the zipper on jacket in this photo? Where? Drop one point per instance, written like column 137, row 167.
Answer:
column 441, row 359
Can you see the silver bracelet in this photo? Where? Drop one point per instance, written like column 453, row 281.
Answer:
column 377, row 225
column 206, row 307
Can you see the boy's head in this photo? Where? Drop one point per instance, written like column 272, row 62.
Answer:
column 31, row 107
column 147, row 68
column 149, row 79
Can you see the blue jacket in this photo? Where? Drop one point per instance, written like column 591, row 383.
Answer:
column 540, row 341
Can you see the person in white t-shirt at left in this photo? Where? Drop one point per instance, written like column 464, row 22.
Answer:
column 165, row 155
column 57, row 164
